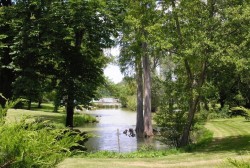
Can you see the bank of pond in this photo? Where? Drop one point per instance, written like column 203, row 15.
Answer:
column 38, row 138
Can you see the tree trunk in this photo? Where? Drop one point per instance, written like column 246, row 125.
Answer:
column 29, row 104
column 148, row 129
column 70, row 113
column 185, row 135
column 193, row 100
column 6, row 79
column 222, row 99
column 139, row 118
column 247, row 105
column 206, row 105
column 39, row 103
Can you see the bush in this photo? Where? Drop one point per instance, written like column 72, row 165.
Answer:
column 171, row 123
column 216, row 113
column 80, row 119
column 239, row 111
column 200, row 137
column 34, row 144
column 131, row 104
column 28, row 145
column 3, row 111
column 238, row 164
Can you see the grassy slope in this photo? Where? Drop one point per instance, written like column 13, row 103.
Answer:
column 231, row 140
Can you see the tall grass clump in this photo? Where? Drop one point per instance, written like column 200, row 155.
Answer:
column 80, row 119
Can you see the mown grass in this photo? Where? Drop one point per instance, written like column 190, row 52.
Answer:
column 173, row 161
column 229, row 148
column 46, row 113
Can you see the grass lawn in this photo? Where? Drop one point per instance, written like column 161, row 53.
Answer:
column 231, row 142
column 17, row 114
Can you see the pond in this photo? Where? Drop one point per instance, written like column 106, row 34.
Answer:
column 109, row 132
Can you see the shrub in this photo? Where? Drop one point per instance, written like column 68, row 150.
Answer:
column 239, row 111
column 200, row 137
column 3, row 111
column 171, row 123
column 80, row 119
column 33, row 144
column 215, row 113
column 131, row 103
column 238, row 164
column 26, row 145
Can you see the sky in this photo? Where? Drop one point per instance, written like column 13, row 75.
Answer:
column 113, row 71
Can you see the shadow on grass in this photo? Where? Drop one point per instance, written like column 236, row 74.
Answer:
column 236, row 144
column 45, row 107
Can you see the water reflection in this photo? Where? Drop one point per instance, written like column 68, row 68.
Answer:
column 110, row 122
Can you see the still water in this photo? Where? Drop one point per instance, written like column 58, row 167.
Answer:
column 111, row 123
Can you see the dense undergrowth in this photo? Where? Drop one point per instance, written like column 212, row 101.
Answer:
column 29, row 143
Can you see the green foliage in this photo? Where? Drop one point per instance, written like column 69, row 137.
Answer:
column 238, row 163
column 156, row 92
column 126, row 91
column 33, row 144
column 65, row 55
column 213, row 113
column 107, row 89
column 172, row 124
column 25, row 145
column 172, row 114
column 201, row 138
column 239, row 111
column 144, row 152
column 3, row 110
column 131, row 103
column 80, row 119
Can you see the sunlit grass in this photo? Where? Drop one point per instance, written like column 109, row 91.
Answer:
column 46, row 113
column 17, row 114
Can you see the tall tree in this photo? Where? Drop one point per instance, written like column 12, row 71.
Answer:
column 139, row 108
column 6, row 39
column 228, row 73
column 137, row 35
column 86, row 28
column 27, row 55
column 190, row 29
column 68, row 51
